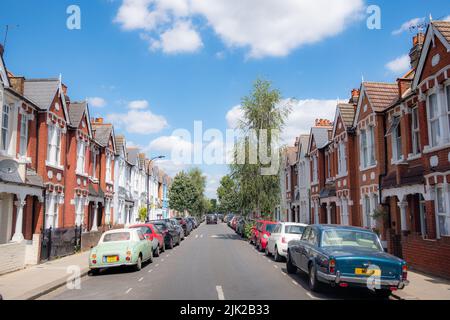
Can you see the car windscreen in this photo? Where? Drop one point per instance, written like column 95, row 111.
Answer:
column 270, row 227
column 160, row 226
column 351, row 238
column 143, row 229
column 117, row 236
column 294, row 229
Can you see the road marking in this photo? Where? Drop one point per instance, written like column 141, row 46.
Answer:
column 128, row 291
column 220, row 293
column 295, row 283
column 167, row 255
column 141, row 279
column 150, row 270
column 276, row 267
column 162, row 260
column 196, row 236
column 157, row 265
column 201, row 236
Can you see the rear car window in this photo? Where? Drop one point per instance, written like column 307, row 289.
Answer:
column 270, row 227
column 294, row 229
column 117, row 236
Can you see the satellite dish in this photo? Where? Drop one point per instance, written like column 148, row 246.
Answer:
column 8, row 166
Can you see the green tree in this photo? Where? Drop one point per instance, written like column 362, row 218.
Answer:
column 199, row 182
column 228, row 195
column 182, row 193
column 262, row 109
column 213, row 206
column 142, row 214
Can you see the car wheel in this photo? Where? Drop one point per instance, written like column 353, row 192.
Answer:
column 267, row 251
column 171, row 243
column 138, row 265
column 259, row 247
column 179, row 240
column 278, row 258
column 163, row 247
column 156, row 252
column 150, row 260
column 383, row 293
column 290, row 268
column 94, row 272
column 314, row 284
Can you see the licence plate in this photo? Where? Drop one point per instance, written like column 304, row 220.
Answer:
column 111, row 259
column 365, row 272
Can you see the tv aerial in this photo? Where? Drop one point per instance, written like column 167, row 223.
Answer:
column 8, row 166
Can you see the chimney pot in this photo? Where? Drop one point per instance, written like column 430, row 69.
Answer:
column 98, row 120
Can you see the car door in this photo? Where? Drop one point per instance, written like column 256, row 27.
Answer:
column 302, row 249
column 144, row 245
column 274, row 238
column 309, row 249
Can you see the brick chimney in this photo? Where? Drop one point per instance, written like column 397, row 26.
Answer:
column 403, row 85
column 416, row 50
column 18, row 84
column 98, row 120
column 323, row 123
column 354, row 97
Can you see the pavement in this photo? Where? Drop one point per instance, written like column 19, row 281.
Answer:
column 213, row 263
column 35, row 281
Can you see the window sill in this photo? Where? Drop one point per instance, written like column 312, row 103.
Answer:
column 398, row 161
column 54, row 166
column 23, row 159
column 412, row 156
column 342, row 175
column 368, row 168
column 428, row 149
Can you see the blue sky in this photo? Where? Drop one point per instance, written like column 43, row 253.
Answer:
column 167, row 63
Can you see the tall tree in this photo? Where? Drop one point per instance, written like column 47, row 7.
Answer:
column 182, row 193
column 228, row 195
column 262, row 111
column 199, row 182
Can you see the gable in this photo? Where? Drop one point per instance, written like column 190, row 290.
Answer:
column 3, row 74
column 339, row 126
column 364, row 107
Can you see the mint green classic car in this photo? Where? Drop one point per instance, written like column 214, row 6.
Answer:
column 121, row 247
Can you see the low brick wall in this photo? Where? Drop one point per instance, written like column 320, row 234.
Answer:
column 428, row 256
column 12, row 257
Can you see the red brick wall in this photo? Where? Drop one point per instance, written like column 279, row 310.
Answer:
column 430, row 256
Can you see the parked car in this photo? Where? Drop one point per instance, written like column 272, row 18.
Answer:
column 280, row 237
column 234, row 222
column 230, row 220
column 171, row 235
column 187, row 227
column 228, row 217
column 265, row 228
column 120, row 247
column 347, row 257
column 153, row 234
column 193, row 222
column 240, row 226
column 177, row 226
column 211, row 219
column 220, row 217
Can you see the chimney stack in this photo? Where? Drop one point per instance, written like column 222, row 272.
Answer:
column 416, row 50
column 323, row 123
column 355, row 96
column 98, row 121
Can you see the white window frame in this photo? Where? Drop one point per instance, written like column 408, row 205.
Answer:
column 94, row 163
column 367, row 211
column 442, row 209
column 434, row 141
column 54, row 145
column 23, row 145
column 52, row 211
column 415, row 130
column 396, row 139
column 108, row 168
column 342, row 161
column 363, row 144
column 315, row 169
column 5, row 127
column 371, row 146
column 81, row 157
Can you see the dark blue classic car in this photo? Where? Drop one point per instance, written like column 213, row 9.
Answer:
column 346, row 256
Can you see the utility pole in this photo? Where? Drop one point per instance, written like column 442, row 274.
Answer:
column 148, row 181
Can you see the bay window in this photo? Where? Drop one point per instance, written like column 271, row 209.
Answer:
column 415, row 131
column 23, row 135
column 397, row 140
column 367, row 146
column 6, row 110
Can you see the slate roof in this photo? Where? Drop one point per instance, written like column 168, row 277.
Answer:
column 347, row 112
column 41, row 91
column 321, row 135
column 303, row 142
column 381, row 95
column 291, row 154
column 444, row 28
column 132, row 154
column 31, row 178
column 102, row 133
column 120, row 142
column 76, row 111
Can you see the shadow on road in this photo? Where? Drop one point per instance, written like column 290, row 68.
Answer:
column 119, row 270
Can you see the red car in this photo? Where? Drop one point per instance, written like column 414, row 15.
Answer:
column 264, row 229
column 152, row 233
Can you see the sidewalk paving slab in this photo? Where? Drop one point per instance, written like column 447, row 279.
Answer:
column 424, row 287
column 35, row 281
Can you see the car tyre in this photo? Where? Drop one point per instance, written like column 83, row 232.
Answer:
column 290, row 268
column 171, row 243
column 156, row 252
column 138, row 265
column 314, row 284
column 163, row 247
column 267, row 251
column 277, row 257
column 94, row 272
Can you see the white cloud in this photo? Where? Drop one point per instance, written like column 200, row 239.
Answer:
column 168, row 143
column 264, row 27
column 171, row 167
column 233, row 117
column 408, row 25
column 138, row 105
column 399, row 65
column 140, row 122
column 181, row 38
column 96, row 102
column 447, row 18
column 301, row 118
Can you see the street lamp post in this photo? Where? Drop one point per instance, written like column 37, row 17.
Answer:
column 148, row 181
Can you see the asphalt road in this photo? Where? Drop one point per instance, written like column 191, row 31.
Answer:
column 212, row 263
